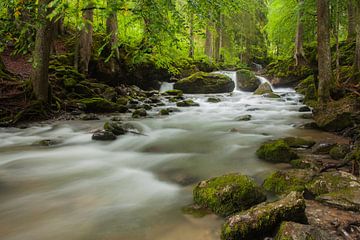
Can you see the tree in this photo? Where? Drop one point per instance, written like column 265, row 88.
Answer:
column 351, row 20
column 357, row 49
column 41, row 55
column 299, row 49
column 324, row 51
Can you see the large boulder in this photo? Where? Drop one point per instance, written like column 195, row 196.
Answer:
column 276, row 151
column 202, row 82
column 228, row 194
column 297, row 231
column 264, row 88
column 247, row 81
column 285, row 181
column 261, row 220
column 98, row 105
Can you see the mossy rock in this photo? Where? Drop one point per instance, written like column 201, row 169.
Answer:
column 307, row 88
column 103, row 136
column 228, row 194
column 122, row 100
column 285, row 181
column 174, row 92
column 323, row 148
column 164, row 112
column 187, row 103
column 213, row 100
column 271, row 95
column 246, row 117
column 98, row 105
column 339, row 151
column 295, row 142
column 138, row 113
column 329, row 182
column 345, row 199
column 69, row 83
column 261, row 220
column 297, row 231
column 264, row 88
column 276, row 151
column 116, row 128
column 301, row 164
column 201, row 83
column 247, row 81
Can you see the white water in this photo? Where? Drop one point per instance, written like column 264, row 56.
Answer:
column 264, row 80
column 166, row 86
column 128, row 189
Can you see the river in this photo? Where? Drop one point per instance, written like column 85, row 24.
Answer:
column 134, row 188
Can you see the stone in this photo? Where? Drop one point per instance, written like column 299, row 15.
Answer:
column 116, row 128
column 264, row 88
column 345, row 199
column 228, row 194
column 285, row 181
column 202, row 83
column 271, row 95
column 164, row 112
column 295, row 142
column 213, row 100
column 243, row 118
column 98, row 105
column 276, row 151
column 304, row 109
column 89, row 117
column 323, row 148
column 139, row 113
column 174, row 92
column 261, row 220
column 187, row 103
column 297, row 231
column 103, row 135
column 247, row 81
column 339, row 151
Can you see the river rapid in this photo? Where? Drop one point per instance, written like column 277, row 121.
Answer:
column 134, row 187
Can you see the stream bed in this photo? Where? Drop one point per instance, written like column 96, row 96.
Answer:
column 134, row 187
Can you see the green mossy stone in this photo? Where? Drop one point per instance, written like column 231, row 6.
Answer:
column 345, row 199
column 247, row 81
column 295, row 142
column 264, row 88
column 174, row 92
column 213, row 100
column 297, row 231
column 260, row 221
column 187, row 103
column 339, row 152
column 138, row 113
column 164, row 112
column 228, row 194
column 285, row 181
column 271, row 95
column 98, row 105
column 301, row 164
column 276, row 151
column 115, row 127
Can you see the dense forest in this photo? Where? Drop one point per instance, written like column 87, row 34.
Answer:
column 259, row 97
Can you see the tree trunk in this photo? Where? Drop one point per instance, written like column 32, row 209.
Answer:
column 217, row 42
column 357, row 49
column 336, row 33
column 41, row 55
column 191, row 37
column 299, row 49
column 85, row 40
column 208, row 43
column 324, row 51
column 112, row 31
column 351, row 20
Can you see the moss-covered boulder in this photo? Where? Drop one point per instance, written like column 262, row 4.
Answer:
column 228, row 194
column 202, row 82
column 297, row 231
column 261, row 220
column 103, row 136
column 246, row 117
column 339, row 151
column 98, row 105
column 323, row 148
column 138, row 113
column 247, row 81
column 276, row 151
column 116, row 128
column 296, row 142
column 174, row 92
column 345, row 199
column 187, row 103
column 285, row 181
column 264, row 88
column 213, row 100
column 164, row 112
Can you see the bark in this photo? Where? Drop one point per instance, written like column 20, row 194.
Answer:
column 351, row 20
column 85, row 40
column 208, row 43
column 324, row 51
column 217, row 42
column 112, row 31
column 191, row 36
column 299, row 39
column 41, row 55
column 357, row 49
column 336, row 33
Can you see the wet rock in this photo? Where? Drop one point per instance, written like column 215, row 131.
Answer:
column 301, row 163
column 76, row 112
column 213, row 100
column 307, row 116
column 304, row 109
column 247, row 81
column 264, row 88
column 252, row 109
column 228, row 194
column 174, row 92
column 261, row 220
column 116, row 119
column 297, row 231
column 310, row 125
column 48, row 142
column 243, row 118
column 187, row 103
column 271, row 95
column 276, row 151
column 339, row 151
column 173, row 109
column 103, row 135
column 90, row 117
column 122, row 101
column 116, row 128
column 285, row 181
column 98, row 105
column 295, row 142
column 109, row 94
column 323, row 148
column 164, row 112
column 138, row 113
column 202, row 82
column 346, row 199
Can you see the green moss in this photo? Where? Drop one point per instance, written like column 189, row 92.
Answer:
column 70, row 83
column 187, row 103
column 300, row 163
column 264, row 88
column 276, row 151
column 98, row 105
column 174, row 92
column 227, row 194
column 296, row 142
column 247, row 80
column 282, row 182
column 307, row 88
column 339, row 151
column 164, row 112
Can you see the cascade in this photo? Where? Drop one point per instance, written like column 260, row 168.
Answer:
column 166, row 86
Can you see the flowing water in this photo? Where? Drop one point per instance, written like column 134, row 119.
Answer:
column 134, row 188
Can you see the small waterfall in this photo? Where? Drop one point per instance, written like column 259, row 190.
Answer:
column 232, row 75
column 258, row 67
column 264, row 80
column 166, row 86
